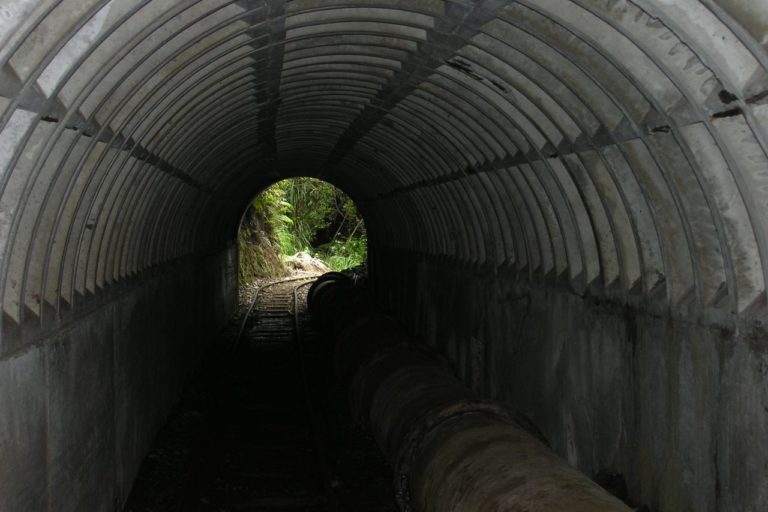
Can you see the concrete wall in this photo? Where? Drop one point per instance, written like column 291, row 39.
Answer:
column 613, row 153
column 680, row 409
column 80, row 406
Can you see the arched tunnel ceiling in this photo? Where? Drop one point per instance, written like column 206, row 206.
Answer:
column 615, row 147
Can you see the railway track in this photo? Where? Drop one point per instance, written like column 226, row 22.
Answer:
column 278, row 434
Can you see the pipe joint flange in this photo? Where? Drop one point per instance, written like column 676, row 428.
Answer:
column 409, row 450
column 358, row 383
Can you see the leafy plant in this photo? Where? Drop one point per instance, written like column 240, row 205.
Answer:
column 340, row 255
column 304, row 215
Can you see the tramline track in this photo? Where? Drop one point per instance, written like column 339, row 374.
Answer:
column 274, row 305
column 262, row 450
column 279, row 438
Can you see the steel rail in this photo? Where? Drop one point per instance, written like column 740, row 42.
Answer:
column 256, row 295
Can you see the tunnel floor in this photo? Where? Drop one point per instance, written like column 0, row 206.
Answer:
column 264, row 426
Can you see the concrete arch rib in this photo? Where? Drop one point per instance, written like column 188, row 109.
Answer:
column 616, row 152
column 381, row 77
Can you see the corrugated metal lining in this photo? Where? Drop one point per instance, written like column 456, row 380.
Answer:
column 617, row 148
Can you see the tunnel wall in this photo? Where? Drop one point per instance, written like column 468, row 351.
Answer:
column 674, row 406
column 605, row 157
column 82, row 404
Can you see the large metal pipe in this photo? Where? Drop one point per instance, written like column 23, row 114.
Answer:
column 450, row 451
column 334, row 301
column 323, row 284
column 483, row 461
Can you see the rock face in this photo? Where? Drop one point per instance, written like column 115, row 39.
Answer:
column 568, row 197
column 303, row 262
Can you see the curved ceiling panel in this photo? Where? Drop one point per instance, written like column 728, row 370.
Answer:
column 617, row 148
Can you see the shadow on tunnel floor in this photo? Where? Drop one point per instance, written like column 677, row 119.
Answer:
column 243, row 437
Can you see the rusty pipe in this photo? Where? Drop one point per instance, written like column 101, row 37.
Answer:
column 478, row 457
column 335, row 301
column 450, row 451
column 480, row 460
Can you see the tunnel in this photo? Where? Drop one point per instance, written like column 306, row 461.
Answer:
column 567, row 198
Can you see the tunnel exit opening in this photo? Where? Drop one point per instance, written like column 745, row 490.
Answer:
column 300, row 225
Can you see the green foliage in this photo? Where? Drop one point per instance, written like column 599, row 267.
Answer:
column 304, row 215
column 311, row 204
column 340, row 255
